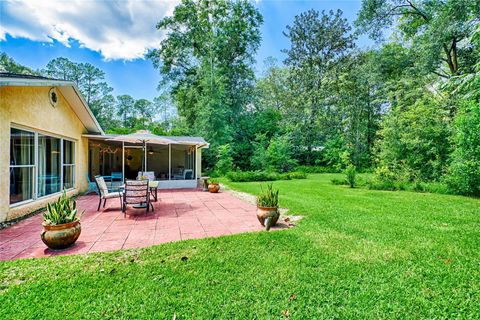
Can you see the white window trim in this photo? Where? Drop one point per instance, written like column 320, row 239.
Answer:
column 35, row 196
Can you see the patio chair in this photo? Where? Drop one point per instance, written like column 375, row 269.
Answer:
column 188, row 174
column 105, row 193
column 136, row 192
column 92, row 186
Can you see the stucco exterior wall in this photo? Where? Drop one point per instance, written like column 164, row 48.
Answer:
column 29, row 107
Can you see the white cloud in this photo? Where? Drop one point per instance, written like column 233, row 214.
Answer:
column 123, row 29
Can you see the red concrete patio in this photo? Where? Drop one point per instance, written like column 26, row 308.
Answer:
column 178, row 215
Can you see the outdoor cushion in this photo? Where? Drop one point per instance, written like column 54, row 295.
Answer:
column 112, row 195
column 102, row 186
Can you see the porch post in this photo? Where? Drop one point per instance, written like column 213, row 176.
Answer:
column 123, row 162
column 169, row 161
column 195, row 163
column 145, row 155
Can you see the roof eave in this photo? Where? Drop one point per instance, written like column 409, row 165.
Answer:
column 52, row 83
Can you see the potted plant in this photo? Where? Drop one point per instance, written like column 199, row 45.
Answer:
column 61, row 224
column 213, row 186
column 267, row 207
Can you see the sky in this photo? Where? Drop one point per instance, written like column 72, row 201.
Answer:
column 115, row 35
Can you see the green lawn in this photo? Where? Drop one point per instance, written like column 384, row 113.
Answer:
column 356, row 254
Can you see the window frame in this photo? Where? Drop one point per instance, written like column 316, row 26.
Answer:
column 32, row 166
column 35, row 164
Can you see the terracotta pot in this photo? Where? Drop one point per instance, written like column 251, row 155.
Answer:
column 61, row 236
column 213, row 187
column 265, row 212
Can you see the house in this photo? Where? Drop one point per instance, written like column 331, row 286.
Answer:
column 51, row 141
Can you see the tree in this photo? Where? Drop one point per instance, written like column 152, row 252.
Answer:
column 435, row 29
column 89, row 80
column 464, row 171
column 125, row 107
column 7, row 64
column 144, row 110
column 207, row 59
column 319, row 41
column 63, row 69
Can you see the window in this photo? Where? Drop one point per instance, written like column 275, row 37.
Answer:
column 22, row 165
column 68, row 164
column 49, row 179
column 40, row 165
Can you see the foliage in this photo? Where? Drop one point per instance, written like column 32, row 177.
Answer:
column 435, row 29
column 259, row 158
column 7, row 64
column 464, row 173
column 206, row 57
column 62, row 211
column 280, row 154
column 415, row 141
column 297, row 175
column 351, row 175
column 268, row 198
column 224, row 159
column 316, row 169
column 245, row 176
column 319, row 41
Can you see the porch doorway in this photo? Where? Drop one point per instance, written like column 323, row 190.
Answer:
column 133, row 161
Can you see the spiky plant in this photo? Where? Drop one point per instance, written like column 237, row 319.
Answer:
column 64, row 210
column 268, row 198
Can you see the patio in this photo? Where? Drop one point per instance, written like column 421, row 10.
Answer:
column 179, row 215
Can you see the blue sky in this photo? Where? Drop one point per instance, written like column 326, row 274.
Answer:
column 114, row 35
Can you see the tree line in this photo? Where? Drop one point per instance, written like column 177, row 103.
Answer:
column 406, row 109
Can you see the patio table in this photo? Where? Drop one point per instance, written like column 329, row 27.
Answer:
column 153, row 187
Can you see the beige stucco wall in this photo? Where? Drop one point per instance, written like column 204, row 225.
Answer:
column 29, row 107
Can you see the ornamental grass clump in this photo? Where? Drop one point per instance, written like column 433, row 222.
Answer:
column 62, row 211
column 268, row 198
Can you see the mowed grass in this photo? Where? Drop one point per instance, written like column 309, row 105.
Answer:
column 356, row 254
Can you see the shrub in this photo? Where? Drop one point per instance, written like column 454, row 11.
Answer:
column 351, row 175
column 247, row 176
column 316, row 169
column 297, row 175
column 339, row 182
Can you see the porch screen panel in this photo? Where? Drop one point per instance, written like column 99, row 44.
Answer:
column 49, row 161
column 68, row 164
column 22, row 165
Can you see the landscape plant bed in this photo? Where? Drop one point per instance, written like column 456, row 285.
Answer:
column 358, row 253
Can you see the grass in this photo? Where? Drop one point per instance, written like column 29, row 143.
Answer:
column 358, row 253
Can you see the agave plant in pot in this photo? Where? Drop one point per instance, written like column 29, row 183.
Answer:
column 61, row 223
column 267, row 207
